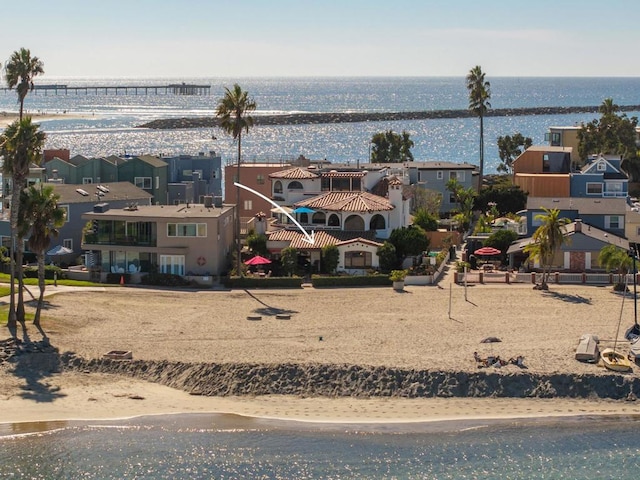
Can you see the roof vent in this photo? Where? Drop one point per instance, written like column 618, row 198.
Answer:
column 82, row 192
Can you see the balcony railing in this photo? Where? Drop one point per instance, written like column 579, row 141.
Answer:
column 118, row 240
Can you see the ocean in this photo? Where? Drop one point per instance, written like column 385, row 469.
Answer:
column 228, row 447
column 109, row 121
column 208, row 446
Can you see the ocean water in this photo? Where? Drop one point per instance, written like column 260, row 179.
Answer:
column 230, row 447
column 109, row 125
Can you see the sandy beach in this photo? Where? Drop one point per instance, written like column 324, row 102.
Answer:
column 415, row 329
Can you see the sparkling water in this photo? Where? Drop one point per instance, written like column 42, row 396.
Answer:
column 230, row 447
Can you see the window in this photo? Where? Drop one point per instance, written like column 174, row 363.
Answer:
column 87, row 180
column 295, row 185
column 157, row 183
column 357, row 259
column 453, row 175
column 172, row 264
column 68, row 243
column 260, row 179
column 601, row 167
column 142, row 182
column 186, row 229
column 248, row 204
column 612, row 221
column 546, row 166
column 440, row 175
column 452, row 198
column 277, row 187
column 66, row 211
column 594, row 188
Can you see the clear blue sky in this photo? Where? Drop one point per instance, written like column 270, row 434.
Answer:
column 240, row 38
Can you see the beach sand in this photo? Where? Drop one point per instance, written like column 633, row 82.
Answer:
column 417, row 328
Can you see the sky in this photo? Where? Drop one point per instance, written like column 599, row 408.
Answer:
column 284, row 38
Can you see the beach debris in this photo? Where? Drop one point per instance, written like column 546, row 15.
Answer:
column 119, row 355
column 490, row 340
column 497, row 362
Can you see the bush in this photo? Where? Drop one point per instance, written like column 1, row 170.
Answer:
column 115, row 277
column 49, row 272
column 351, row 281
column 265, row 282
column 162, row 280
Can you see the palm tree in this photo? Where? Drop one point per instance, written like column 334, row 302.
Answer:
column 608, row 107
column 232, row 113
column 21, row 145
column 615, row 258
column 479, row 95
column 547, row 239
column 42, row 214
column 19, row 72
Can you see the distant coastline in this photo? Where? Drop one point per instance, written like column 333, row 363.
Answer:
column 355, row 117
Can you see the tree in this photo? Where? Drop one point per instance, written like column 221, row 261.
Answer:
column 611, row 134
column 479, row 95
column 257, row 243
column 410, row 240
column 330, row 258
column 615, row 258
column 388, row 257
column 501, row 239
column 19, row 71
column 42, row 216
column 426, row 220
column 289, row 260
column 465, row 198
column 506, row 198
column 21, row 145
column 547, row 239
column 425, row 199
column 390, row 147
column 509, row 149
column 232, row 112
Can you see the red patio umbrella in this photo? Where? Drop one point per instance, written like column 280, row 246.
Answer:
column 487, row 251
column 257, row 260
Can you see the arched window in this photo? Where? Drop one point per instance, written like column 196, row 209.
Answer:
column 319, row 218
column 277, row 187
column 377, row 223
column 354, row 222
column 304, row 218
column 295, row 185
column 334, row 220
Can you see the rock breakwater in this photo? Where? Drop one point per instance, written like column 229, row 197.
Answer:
column 325, row 380
column 354, row 117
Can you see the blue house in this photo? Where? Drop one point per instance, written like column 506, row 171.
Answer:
column 606, row 214
column 434, row 176
column 600, row 177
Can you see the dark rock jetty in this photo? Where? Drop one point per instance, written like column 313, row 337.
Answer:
column 324, row 380
column 319, row 118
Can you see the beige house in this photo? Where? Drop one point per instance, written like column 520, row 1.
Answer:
column 191, row 240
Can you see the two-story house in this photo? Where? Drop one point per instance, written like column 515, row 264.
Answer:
column 601, row 176
column 188, row 240
column 434, row 176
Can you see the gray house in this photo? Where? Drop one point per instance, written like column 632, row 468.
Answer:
column 79, row 199
column 434, row 176
column 202, row 172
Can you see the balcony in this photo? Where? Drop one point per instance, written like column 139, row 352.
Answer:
column 118, row 240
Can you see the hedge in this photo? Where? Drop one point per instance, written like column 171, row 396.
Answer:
column 264, row 282
column 351, row 281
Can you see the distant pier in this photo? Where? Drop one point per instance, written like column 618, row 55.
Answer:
column 173, row 89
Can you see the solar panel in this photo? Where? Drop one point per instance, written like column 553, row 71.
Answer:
column 82, row 192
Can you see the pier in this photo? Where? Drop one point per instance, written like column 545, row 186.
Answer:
column 173, row 89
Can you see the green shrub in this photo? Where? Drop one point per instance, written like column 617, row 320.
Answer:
column 350, row 281
column 49, row 271
column 264, row 282
column 163, row 280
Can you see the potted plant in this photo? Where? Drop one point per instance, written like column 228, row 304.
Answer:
column 397, row 277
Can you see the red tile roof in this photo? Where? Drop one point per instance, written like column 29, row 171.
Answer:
column 296, row 173
column 321, row 238
column 348, row 202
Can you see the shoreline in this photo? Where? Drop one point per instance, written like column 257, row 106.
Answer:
column 7, row 118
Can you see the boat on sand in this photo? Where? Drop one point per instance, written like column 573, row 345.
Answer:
column 614, row 360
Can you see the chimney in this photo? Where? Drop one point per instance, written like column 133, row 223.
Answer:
column 578, row 224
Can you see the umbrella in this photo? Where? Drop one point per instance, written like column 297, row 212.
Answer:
column 303, row 210
column 257, row 260
column 487, row 251
column 59, row 250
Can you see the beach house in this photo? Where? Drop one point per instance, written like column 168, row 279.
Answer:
column 433, row 176
column 190, row 240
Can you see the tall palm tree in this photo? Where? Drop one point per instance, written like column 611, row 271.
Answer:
column 21, row 145
column 547, row 239
column 42, row 217
column 232, row 112
column 19, row 72
column 479, row 95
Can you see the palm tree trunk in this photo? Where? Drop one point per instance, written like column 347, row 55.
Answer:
column 481, row 173
column 41, row 285
column 20, row 276
column 239, row 243
column 15, row 200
